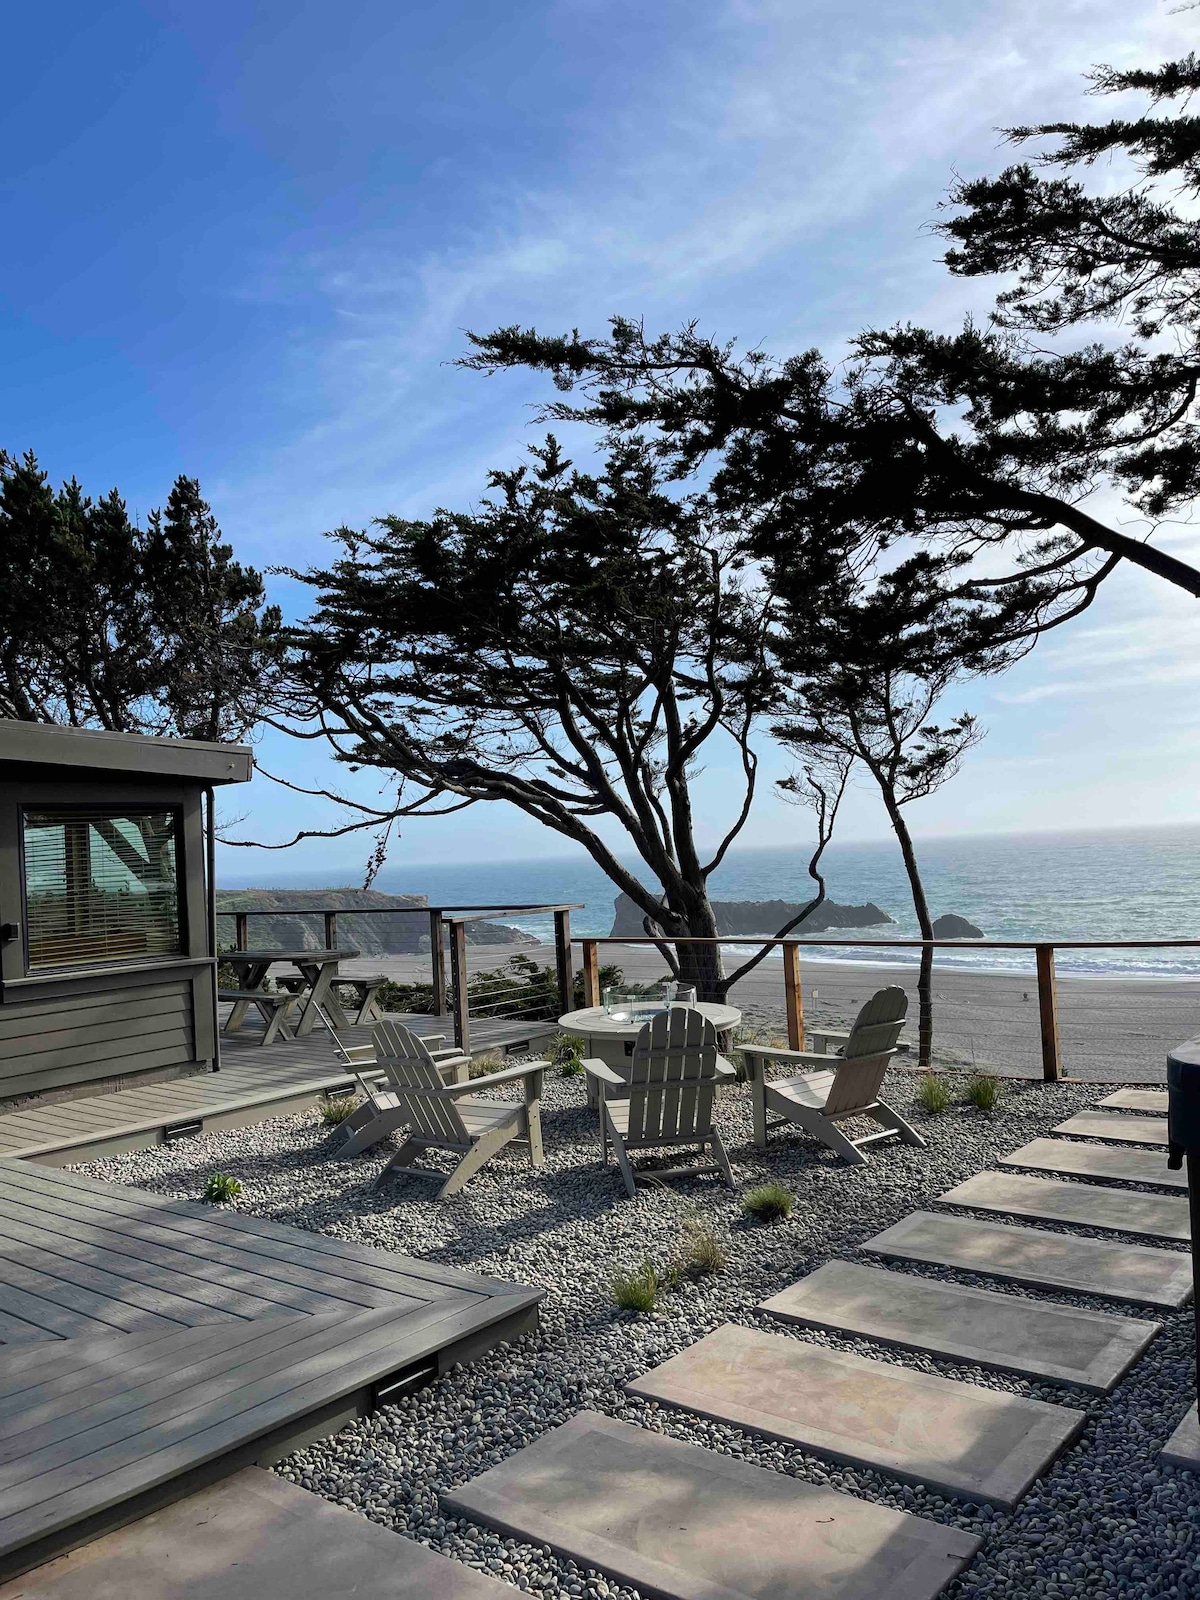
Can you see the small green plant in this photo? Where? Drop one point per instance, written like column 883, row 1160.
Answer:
column 703, row 1250
column 933, row 1094
column 335, row 1108
column 481, row 1066
column 637, row 1290
column 219, row 1187
column 984, row 1091
column 769, row 1202
column 566, row 1053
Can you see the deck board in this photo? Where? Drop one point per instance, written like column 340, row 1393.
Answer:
column 255, row 1082
column 175, row 1339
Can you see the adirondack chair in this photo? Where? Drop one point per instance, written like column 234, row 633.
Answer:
column 390, row 1041
column 665, row 1096
column 818, row 1100
column 441, row 1115
column 382, row 1070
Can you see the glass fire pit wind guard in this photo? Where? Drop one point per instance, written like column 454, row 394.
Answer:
column 634, row 1008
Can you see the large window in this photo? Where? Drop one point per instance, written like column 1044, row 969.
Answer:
column 100, row 886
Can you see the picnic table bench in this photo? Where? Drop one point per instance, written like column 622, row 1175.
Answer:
column 318, row 973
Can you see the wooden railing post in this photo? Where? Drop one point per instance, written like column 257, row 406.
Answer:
column 591, row 973
column 562, row 962
column 331, row 930
column 793, row 996
column 437, row 962
column 241, row 925
column 458, row 980
column 1048, row 1013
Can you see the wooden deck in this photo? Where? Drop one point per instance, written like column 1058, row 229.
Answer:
column 153, row 1346
column 255, row 1082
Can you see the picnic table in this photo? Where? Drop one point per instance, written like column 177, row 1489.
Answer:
column 318, row 968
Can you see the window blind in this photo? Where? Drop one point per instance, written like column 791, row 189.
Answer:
column 100, row 885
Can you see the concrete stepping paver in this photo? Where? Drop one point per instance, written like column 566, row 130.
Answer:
column 1182, row 1449
column 252, row 1534
column 958, row 1438
column 1065, row 1344
column 1117, row 1165
column 1157, row 1216
column 677, row 1521
column 1152, row 1100
column 1104, row 1125
column 1118, row 1271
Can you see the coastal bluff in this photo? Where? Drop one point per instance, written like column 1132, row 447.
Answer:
column 763, row 917
column 290, row 929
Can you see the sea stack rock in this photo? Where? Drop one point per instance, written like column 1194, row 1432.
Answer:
column 952, row 927
column 762, row 917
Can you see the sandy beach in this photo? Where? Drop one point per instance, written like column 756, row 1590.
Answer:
column 1112, row 1030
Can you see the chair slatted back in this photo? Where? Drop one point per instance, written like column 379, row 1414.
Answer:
column 417, row 1084
column 672, row 1077
column 870, row 1047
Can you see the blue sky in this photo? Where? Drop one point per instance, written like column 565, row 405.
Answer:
column 244, row 240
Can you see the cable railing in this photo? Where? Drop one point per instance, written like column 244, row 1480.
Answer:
column 449, row 979
column 793, row 994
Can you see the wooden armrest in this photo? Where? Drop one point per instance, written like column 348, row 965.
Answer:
column 490, row 1079
column 601, row 1070
column 842, row 1034
column 767, row 1052
column 725, row 1069
column 830, row 1035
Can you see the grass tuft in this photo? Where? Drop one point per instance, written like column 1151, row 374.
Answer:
column 703, row 1250
column 638, row 1290
column 769, row 1202
column 566, row 1053
column 335, row 1108
column 984, row 1091
column 218, row 1187
column 933, row 1094
column 481, row 1066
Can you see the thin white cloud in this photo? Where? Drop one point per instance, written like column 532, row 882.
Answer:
column 744, row 186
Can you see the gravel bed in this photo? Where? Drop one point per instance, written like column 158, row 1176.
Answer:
column 1106, row 1520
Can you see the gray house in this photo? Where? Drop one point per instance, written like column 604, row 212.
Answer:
column 107, row 955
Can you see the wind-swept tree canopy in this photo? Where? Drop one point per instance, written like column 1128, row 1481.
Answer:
column 577, row 646
column 107, row 625
column 986, row 444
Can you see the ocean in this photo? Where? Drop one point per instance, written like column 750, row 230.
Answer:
column 1119, row 884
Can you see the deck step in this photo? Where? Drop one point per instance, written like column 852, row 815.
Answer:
column 1182, row 1449
column 1151, row 1100
column 1104, row 1125
column 1113, row 1164
column 252, row 1533
column 1134, row 1272
column 683, row 1523
column 957, row 1438
column 1155, row 1216
column 1062, row 1344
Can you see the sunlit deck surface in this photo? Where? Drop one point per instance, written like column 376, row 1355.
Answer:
column 151, row 1346
column 255, row 1082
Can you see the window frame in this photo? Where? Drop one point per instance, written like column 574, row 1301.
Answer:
column 114, row 809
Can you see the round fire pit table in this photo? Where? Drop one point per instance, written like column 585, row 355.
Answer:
column 612, row 1042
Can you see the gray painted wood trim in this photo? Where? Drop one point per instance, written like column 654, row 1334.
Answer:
column 127, row 754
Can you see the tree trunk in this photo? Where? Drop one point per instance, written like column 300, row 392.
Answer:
column 699, row 964
column 925, row 923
